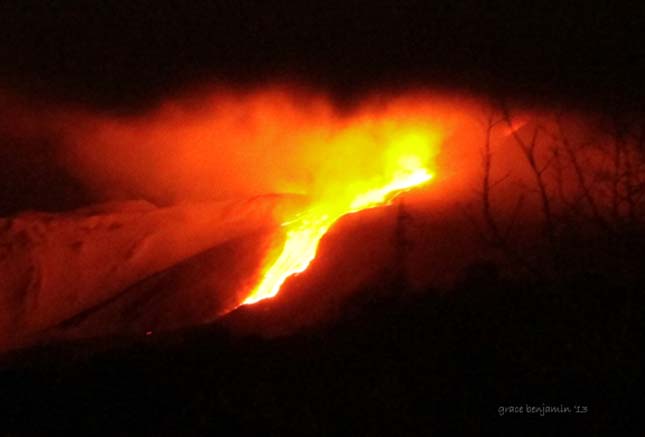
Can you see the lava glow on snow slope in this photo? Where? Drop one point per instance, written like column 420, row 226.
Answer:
column 405, row 164
column 224, row 144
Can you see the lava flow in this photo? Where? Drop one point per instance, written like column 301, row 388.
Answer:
column 405, row 165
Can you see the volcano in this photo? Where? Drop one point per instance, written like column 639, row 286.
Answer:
column 63, row 268
column 277, row 218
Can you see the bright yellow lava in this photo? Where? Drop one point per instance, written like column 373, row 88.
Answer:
column 405, row 166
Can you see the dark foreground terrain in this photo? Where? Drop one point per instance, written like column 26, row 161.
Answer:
column 464, row 362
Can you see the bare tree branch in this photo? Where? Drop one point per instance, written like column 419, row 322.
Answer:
column 580, row 176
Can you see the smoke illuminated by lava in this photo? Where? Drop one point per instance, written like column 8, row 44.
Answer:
column 269, row 171
column 407, row 162
column 241, row 186
column 223, row 144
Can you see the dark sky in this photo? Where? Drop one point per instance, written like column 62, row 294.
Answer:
column 128, row 53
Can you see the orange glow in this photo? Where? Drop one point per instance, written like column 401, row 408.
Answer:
column 225, row 144
column 404, row 164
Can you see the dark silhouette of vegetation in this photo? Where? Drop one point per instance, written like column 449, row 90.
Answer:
column 394, row 365
column 587, row 193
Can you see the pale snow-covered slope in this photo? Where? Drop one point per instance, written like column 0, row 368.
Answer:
column 56, row 266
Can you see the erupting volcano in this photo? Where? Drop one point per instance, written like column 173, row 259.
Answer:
column 281, row 164
column 309, row 218
column 408, row 169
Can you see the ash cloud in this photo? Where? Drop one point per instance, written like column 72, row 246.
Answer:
column 217, row 143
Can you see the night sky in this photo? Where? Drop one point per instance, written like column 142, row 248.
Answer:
column 126, row 55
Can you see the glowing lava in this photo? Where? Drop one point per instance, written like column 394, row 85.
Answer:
column 404, row 165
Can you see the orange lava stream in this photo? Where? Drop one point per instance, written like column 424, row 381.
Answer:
column 405, row 166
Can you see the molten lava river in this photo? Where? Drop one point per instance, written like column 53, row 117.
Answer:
column 404, row 164
column 172, row 185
